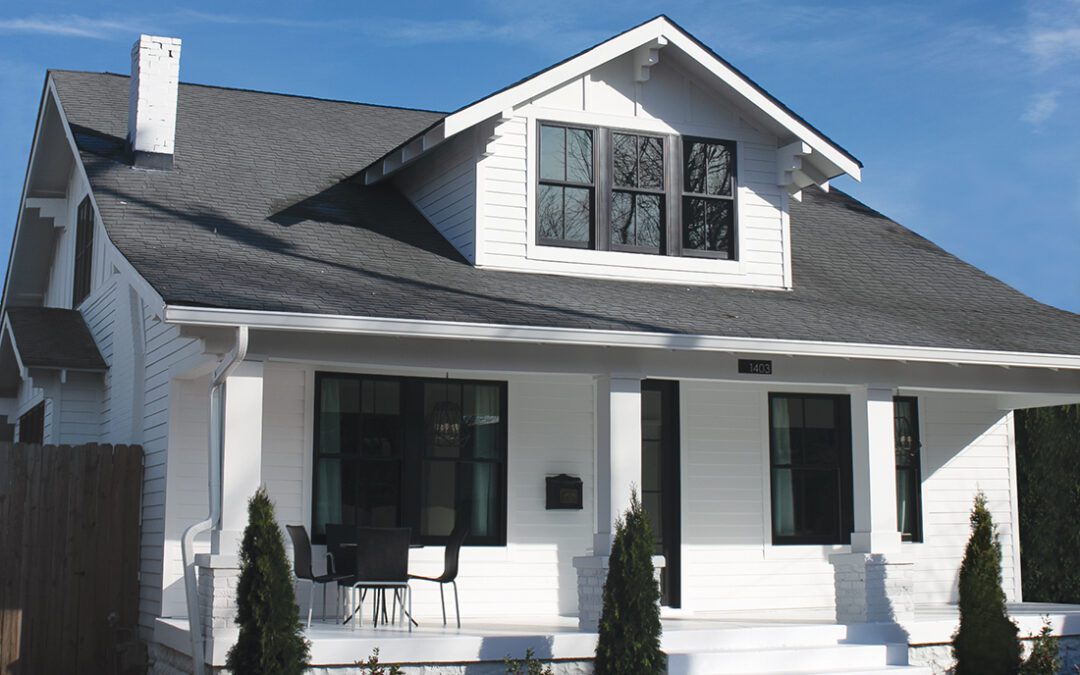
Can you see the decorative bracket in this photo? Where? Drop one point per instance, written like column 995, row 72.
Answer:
column 646, row 56
column 794, row 172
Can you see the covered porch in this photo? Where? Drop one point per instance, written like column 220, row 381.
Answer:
column 584, row 411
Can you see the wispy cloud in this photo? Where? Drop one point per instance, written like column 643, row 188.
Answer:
column 1041, row 108
column 71, row 25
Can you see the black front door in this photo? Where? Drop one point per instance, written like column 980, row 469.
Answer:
column 660, row 477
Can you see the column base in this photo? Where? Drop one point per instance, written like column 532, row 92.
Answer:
column 592, row 573
column 873, row 588
column 218, row 578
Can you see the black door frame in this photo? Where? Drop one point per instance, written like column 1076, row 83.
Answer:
column 670, row 485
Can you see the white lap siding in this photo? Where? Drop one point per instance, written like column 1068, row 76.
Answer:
column 728, row 560
column 551, row 431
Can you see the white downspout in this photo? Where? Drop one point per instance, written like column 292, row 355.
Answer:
column 187, row 542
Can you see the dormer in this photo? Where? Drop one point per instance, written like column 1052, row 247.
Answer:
column 646, row 157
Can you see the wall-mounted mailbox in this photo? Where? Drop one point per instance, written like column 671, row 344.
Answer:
column 564, row 492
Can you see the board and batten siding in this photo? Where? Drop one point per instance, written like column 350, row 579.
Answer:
column 551, row 431
column 443, row 188
column 670, row 102
column 728, row 560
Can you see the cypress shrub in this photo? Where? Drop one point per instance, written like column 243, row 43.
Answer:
column 1043, row 659
column 1048, row 489
column 271, row 638
column 630, row 628
column 986, row 642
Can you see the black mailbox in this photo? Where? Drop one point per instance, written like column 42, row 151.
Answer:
column 564, row 492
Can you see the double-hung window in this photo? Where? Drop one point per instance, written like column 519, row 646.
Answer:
column 565, row 194
column 613, row 190
column 810, row 447
column 428, row 454
column 637, row 193
column 908, row 469
column 708, row 209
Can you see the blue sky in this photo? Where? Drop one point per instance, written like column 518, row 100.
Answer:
column 963, row 111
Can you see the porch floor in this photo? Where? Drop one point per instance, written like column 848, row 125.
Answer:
column 558, row 637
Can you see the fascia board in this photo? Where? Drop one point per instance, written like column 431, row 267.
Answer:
column 328, row 323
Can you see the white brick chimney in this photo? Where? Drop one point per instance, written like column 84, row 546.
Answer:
column 155, row 77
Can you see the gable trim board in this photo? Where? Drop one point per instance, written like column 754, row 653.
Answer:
column 658, row 33
column 329, row 323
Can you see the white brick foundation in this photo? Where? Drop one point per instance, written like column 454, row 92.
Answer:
column 873, row 588
column 218, row 578
column 591, row 574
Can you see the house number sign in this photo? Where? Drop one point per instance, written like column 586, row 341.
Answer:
column 755, row 367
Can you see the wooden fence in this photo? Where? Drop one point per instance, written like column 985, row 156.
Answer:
column 69, row 557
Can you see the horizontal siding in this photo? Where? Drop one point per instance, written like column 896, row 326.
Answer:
column 443, row 188
column 967, row 448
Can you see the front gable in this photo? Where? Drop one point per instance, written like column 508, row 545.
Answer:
column 477, row 173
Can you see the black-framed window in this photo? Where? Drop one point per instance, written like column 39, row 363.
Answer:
column 810, row 450
column 32, row 425
column 637, row 217
column 708, row 210
column 908, row 447
column 617, row 190
column 427, row 454
column 566, row 190
column 84, row 251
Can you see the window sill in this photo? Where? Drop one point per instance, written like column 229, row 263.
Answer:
column 642, row 261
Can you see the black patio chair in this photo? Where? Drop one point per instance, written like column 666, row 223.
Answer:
column 302, row 567
column 450, row 570
column 382, row 563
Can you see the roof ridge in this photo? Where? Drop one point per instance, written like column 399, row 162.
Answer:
column 261, row 91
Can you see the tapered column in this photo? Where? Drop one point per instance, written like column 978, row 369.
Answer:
column 241, row 462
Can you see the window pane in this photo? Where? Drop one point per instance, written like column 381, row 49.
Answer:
column 636, row 219
column 624, row 160
column 709, row 168
column 378, row 493
column 783, row 503
column 459, row 492
column 651, row 170
column 335, row 481
column 579, row 156
column 707, row 224
column 339, row 416
column 818, row 510
column 906, row 504
column 482, row 419
column 549, row 215
column 578, row 214
column 553, row 153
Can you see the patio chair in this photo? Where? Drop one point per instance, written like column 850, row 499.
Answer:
column 450, row 570
column 382, row 563
column 303, row 570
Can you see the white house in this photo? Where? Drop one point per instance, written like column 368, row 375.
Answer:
column 627, row 269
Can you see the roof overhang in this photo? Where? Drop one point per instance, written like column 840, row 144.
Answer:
column 357, row 325
column 810, row 158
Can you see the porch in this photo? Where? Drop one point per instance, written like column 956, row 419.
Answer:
column 737, row 635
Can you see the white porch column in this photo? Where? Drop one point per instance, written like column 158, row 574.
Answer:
column 874, row 583
column 873, row 472
column 618, row 471
column 618, row 452
column 241, row 461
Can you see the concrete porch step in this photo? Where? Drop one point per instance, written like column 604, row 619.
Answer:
column 828, row 658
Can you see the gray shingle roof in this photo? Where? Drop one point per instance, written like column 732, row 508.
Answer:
column 54, row 338
column 255, row 216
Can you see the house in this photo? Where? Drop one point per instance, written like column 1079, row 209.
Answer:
column 628, row 269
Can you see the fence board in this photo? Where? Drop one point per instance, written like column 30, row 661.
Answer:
column 69, row 560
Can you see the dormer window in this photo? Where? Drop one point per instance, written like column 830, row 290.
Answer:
column 565, row 195
column 708, row 198
column 612, row 190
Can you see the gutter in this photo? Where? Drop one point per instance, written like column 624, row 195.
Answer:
column 358, row 325
column 187, row 542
